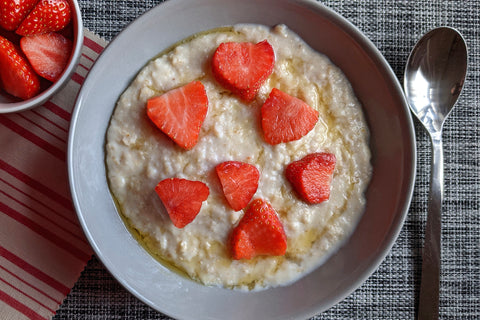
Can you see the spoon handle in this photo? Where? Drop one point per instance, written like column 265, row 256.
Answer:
column 428, row 307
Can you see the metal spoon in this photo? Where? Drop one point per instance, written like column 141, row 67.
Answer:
column 434, row 77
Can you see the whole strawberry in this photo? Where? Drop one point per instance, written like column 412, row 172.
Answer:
column 12, row 12
column 47, row 16
column 16, row 74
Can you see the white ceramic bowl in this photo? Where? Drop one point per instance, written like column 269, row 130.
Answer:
column 9, row 104
column 388, row 195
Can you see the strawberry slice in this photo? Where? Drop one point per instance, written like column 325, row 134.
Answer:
column 311, row 176
column 47, row 16
column 182, row 198
column 16, row 74
column 239, row 182
column 48, row 53
column 180, row 113
column 242, row 67
column 286, row 118
column 12, row 12
column 259, row 232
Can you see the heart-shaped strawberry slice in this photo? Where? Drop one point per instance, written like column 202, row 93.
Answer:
column 312, row 175
column 242, row 67
column 286, row 118
column 180, row 112
column 182, row 199
column 259, row 232
column 239, row 182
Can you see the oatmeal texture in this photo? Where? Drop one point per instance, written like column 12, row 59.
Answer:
column 138, row 156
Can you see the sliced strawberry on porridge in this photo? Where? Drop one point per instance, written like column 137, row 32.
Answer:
column 286, row 118
column 239, row 182
column 242, row 67
column 311, row 176
column 180, row 112
column 259, row 232
column 182, row 198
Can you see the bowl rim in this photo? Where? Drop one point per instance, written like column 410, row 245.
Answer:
column 41, row 98
column 360, row 37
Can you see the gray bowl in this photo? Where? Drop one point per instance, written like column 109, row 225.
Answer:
column 9, row 104
column 388, row 195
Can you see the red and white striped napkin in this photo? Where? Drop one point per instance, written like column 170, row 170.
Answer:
column 42, row 246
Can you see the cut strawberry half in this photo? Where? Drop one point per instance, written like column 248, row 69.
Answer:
column 242, row 67
column 12, row 12
column 259, row 232
column 286, row 118
column 48, row 53
column 17, row 76
column 46, row 16
column 180, row 113
column 182, row 198
column 239, row 182
column 311, row 176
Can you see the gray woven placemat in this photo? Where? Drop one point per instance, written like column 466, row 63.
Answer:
column 391, row 292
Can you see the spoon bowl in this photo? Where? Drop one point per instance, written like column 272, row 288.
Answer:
column 434, row 77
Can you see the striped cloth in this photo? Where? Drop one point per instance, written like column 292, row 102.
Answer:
column 42, row 246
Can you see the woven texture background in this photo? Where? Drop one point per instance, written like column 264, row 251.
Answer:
column 391, row 292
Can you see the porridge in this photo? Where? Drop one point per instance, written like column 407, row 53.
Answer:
column 138, row 156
